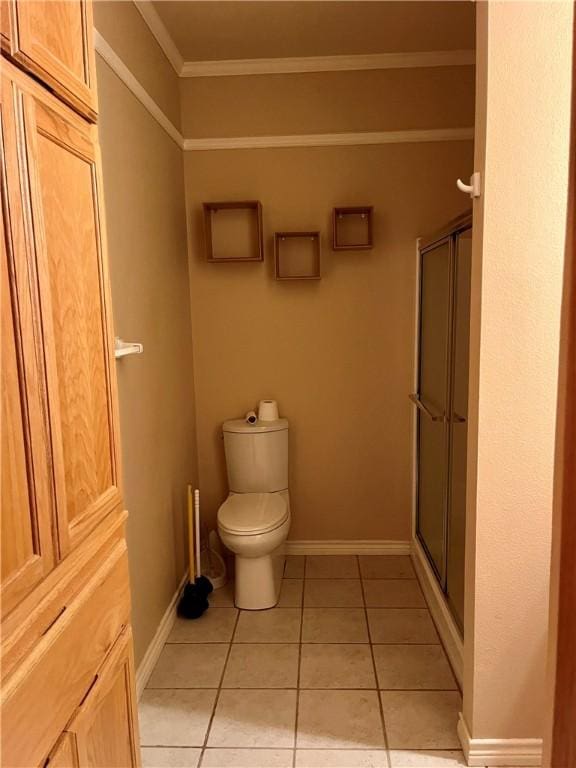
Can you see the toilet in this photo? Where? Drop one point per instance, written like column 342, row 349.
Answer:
column 254, row 520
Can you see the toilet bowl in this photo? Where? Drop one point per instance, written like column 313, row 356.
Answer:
column 254, row 521
column 254, row 526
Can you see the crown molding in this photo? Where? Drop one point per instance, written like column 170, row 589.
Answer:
column 125, row 75
column 331, row 139
column 269, row 142
column 163, row 37
column 291, row 65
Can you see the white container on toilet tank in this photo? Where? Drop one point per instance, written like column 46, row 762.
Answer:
column 254, row 521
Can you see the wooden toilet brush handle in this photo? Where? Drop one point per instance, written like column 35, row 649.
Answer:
column 191, row 563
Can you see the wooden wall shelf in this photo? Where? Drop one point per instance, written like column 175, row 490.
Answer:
column 352, row 228
column 233, row 231
column 297, row 255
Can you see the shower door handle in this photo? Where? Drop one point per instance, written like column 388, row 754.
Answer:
column 424, row 408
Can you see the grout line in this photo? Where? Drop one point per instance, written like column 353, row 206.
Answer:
column 386, row 746
column 294, row 688
column 299, row 666
column 217, row 697
column 204, row 747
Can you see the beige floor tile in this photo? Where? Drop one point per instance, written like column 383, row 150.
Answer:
column 421, row 719
column 427, row 759
column 276, row 625
column 175, row 718
column 339, row 719
column 386, row 567
column 189, row 665
column 401, row 625
column 341, row 758
column 271, row 665
column 417, row 667
column 336, row 666
column 247, row 718
column 333, row 593
column 247, row 758
column 170, row 757
column 214, row 626
column 393, row 593
column 332, row 567
column 294, row 568
column 223, row 597
column 334, row 625
column 291, row 593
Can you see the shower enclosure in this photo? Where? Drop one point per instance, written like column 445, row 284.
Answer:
column 442, row 404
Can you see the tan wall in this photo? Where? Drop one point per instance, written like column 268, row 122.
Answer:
column 328, row 102
column 517, row 284
column 124, row 29
column 146, row 224
column 337, row 354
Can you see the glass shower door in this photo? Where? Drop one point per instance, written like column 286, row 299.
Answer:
column 459, row 425
column 432, row 401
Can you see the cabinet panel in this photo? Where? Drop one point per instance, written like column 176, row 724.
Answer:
column 53, row 39
column 40, row 697
column 105, row 728
column 27, row 503
column 65, row 754
column 59, row 160
column 5, row 25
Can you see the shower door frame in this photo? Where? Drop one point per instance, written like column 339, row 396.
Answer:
column 448, row 234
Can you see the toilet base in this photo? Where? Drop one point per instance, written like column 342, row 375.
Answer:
column 258, row 580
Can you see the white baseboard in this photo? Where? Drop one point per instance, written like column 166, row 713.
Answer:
column 155, row 648
column 499, row 752
column 447, row 629
column 351, row 547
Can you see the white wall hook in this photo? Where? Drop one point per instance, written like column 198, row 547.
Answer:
column 123, row 348
column 472, row 189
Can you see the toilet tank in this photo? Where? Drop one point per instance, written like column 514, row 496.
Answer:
column 256, row 455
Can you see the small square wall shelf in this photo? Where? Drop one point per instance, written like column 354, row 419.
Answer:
column 233, row 231
column 297, row 255
column 352, row 228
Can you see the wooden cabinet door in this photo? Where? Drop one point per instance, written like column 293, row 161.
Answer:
column 26, row 498
column 53, row 40
column 60, row 167
column 5, row 26
column 105, row 728
column 64, row 754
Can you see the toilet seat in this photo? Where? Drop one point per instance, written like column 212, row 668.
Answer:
column 248, row 514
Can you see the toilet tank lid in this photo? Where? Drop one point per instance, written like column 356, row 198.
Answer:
column 242, row 427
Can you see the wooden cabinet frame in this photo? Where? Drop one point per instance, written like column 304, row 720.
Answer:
column 21, row 308
column 39, row 114
column 118, row 665
column 23, row 43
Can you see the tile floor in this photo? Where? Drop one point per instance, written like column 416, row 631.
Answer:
column 347, row 672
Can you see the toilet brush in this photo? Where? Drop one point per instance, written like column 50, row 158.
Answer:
column 194, row 601
column 202, row 583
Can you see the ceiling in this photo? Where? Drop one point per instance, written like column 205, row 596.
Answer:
column 245, row 29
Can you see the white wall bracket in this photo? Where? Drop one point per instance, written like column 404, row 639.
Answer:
column 123, row 348
column 472, row 189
